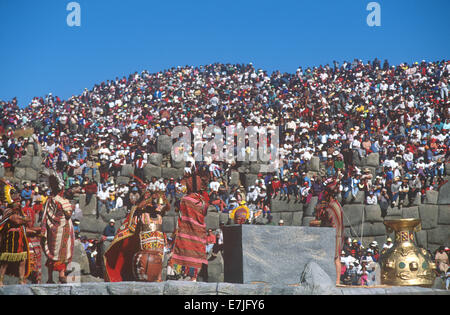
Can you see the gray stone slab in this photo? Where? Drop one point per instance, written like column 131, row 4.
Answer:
column 439, row 235
column 316, row 280
column 278, row 205
column 411, row 212
column 444, row 214
column 151, row 171
column 16, row 290
column 155, row 159
column 171, row 173
column 164, row 144
column 234, row 178
column 444, row 194
column 274, row 254
column 225, row 288
column 127, row 170
column 297, row 218
column 89, row 289
column 422, row 239
column 431, row 197
column 372, row 213
column 212, row 220
column 353, row 214
column 92, row 225
column 190, row 288
column 52, row 289
column 429, row 216
column 310, row 206
column 313, row 164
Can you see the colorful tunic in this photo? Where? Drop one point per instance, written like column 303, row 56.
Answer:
column 189, row 253
column 57, row 232
column 34, row 244
column 14, row 243
column 150, row 238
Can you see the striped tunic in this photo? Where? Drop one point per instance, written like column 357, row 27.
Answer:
column 57, row 231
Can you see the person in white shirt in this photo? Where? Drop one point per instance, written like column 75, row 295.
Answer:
column 214, row 185
column 372, row 198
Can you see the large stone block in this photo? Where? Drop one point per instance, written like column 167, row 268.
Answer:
column 429, row 216
column 311, row 206
column 353, row 214
column 92, row 225
column 374, row 229
column 89, row 209
column 316, row 280
column 359, row 198
column 19, row 173
column 212, row 220
column 80, row 257
column 444, row 194
column 127, row 170
column 178, row 164
column 372, row 213
column 440, row 235
column 250, row 179
column 25, row 161
column 410, row 212
column 444, row 214
column 373, row 159
column 286, row 217
column 431, row 197
column 31, row 174
column 171, row 173
column 421, row 239
column 234, row 178
column 164, row 144
column 278, row 205
column 265, row 253
column 223, row 218
column 216, row 268
column 152, row 171
column 36, row 163
column 155, row 159
column 297, row 218
column 189, row 288
column 117, row 214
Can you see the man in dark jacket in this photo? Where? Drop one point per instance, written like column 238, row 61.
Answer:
column 110, row 231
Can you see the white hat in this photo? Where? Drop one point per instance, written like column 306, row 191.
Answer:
column 112, row 221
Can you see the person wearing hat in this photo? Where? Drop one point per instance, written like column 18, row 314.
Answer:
column 241, row 214
column 281, row 223
column 110, row 231
column 388, row 244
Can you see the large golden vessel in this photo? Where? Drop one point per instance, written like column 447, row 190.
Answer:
column 405, row 264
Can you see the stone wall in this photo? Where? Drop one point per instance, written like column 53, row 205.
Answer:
column 359, row 219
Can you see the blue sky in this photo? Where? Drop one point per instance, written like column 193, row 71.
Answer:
column 40, row 53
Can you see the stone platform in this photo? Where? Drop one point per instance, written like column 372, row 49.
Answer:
column 203, row 288
column 276, row 254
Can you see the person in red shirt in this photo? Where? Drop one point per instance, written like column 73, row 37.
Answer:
column 276, row 185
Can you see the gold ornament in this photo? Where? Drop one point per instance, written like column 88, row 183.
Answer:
column 405, row 264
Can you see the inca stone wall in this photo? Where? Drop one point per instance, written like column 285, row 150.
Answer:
column 359, row 219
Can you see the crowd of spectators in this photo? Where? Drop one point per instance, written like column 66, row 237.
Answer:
column 338, row 113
